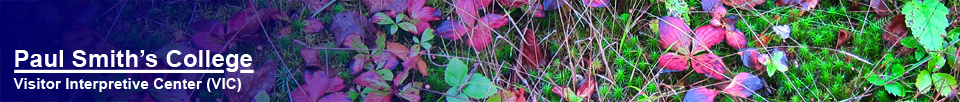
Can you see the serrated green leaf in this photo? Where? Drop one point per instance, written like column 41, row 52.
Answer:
column 480, row 87
column 386, row 74
column 923, row 81
column 927, row 21
column 896, row 70
column 895, row 88
column 384, row 19
column 453, row 91
column 407, row 26
column 909, row 42
column 875, row 79
column 455, row 72
column 945, row 83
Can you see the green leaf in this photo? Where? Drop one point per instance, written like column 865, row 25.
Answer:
column 918, row 55
column 387, row 75
column 456, row 72
column 381, row 41
column 353, row 94
column 426, row 45
column 427, row 35
column 936, row 62
column 897, row 71
column 407, row 26
column 480, row 87
column 876, row 80
column 453, row 91
column 400, row 17
column 262, row 97
column 909, row 42
column 394, row 28
column 945, row 83
column 384, row 19
column 895, row 89
column 416, row 40
column 923, row 81
column 771, row 68
column 927, row 21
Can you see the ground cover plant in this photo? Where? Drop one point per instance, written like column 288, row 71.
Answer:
column 557, row 50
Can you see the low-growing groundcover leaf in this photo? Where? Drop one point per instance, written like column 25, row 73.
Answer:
column 924, row 82
column 945, row 83
column 743, row 85
column 420, row 16
column 743, row 4
column 317, row 84
column 478, row 86
column 700, row 94
column 895, row 30
column 927, row 21
column 675, row 36
column 596, row 3
column 777, row 62
column 392, row 7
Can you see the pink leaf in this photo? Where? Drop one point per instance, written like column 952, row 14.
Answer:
column 467, row 11
column 743, row 4
column 317, row 83
column 359, row 61
column 551, row 4
column 398, row 50
column 707, row 36
column 492, row 21
column 710, row 65
column 206, row 41
column 400, row 77
column 336, row 84
column 751, row 58
column 452, row 29
column 372, row 80
column 513, row 2
column 336, row 97
column 743, row 85
column 421, row 15
column 483, row 3
column 674, row 35
column 387, row 59
column 480, row 39
column 378, row 96
column 586, row 88
column 537, row 11
column 410, row 92
column 310, row 56
column 596, row 3
column 391, row 6
column 312, row 25
column 736, row 39
column 700, row 94
column 672, row 62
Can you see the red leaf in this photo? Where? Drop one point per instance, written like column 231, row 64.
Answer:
column 537, row 11
column 336, row 84
column 400, row 77
column 896, row 29
column 398, row 50
column 410, row 92
column 710, row 65
column 336, row 97
column 467, row 11
column 483, row 3
column 479, row 40
column 387, row 59
column 312, row 25
column 359, row 61
column 206, row 41
column 743, row 85
column 214, row 27
column 421, row 15
column 317, row 83
column 492, row 21
column 736, row 39
column 372, row 80
column 243, row 23
column 700, row 94
column 596, row 3
column 530, row 54
column 392, row 6
column 513, row 3
column 842, row 37
column 378, row 96
column 310, row 56
column 672, row 62
column 707, row 36
column 743, row 4
column 586, row 87
column 452, row 29
column 751, row 58
column 880, row 6
column 674, row 35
